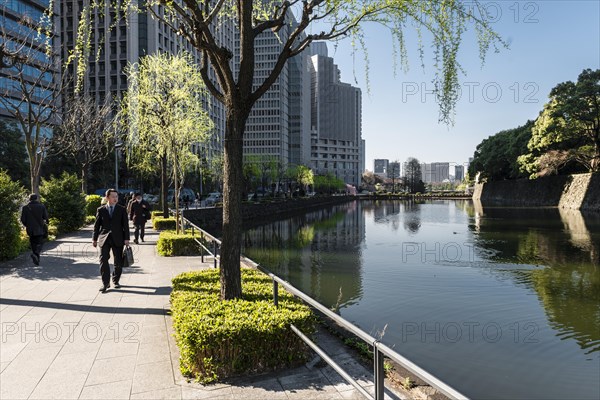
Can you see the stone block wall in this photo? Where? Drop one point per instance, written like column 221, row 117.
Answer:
column 578, row 192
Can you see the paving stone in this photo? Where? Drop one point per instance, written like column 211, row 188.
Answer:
column 118, row 347
column 65, row 377
column 104, row 391
column 153, row 352
column 172, row 393
column 20, row 378
column 190, row 393
column 154, row 376
column 111, row 370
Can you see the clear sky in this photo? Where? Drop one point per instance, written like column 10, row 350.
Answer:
column 550, row 42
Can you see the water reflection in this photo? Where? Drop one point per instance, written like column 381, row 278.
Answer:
column 351, row 258
column 565, row 244
column 306, row 248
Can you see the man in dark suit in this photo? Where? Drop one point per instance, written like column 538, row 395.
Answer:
column 34, row 217
column 111, row 232
column 139, row 213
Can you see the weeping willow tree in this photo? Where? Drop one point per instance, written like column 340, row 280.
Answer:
column 229, row 70
column 164, row 114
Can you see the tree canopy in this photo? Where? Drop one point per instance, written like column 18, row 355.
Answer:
column 567, row 129
column 163, row 110
column 496, row 156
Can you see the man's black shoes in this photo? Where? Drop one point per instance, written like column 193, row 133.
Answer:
column 35, row 259
column 103, row 288
column 116, row 285
column 136, row 241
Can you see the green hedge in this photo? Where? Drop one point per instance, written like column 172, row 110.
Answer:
column 92, row 202
column 12, row 196
column 161, row 224
column 218, row 339
column 156, row 213
column 64, row 201
column 171, row 244
column 90, row 219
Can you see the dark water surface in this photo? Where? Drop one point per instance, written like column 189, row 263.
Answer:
column 498, row 302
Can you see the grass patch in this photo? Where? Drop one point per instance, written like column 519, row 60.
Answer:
column 218, row 339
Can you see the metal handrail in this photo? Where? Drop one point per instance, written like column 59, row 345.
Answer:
column 379, row 349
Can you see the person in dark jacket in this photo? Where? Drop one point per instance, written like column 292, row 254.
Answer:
column 139, row 214
column 34, row 217
column 111, row 232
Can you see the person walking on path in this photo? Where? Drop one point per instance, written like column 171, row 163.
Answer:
column 111, row 232
column 35, row 217
column 139, row 214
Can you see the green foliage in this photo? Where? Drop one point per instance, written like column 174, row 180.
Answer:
column 328, row 183
column 63, row 198
column 218, row 339
column 567, row 131
column 92, row 202
column 13, row 155
column 172, row 244
column 90, row 219
column 155, row 214
column 496, row 157
column 164, row 113
column 12, row 195
column 160, row 223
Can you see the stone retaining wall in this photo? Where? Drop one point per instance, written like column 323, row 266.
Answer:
column 211, row 219
column 578, row 192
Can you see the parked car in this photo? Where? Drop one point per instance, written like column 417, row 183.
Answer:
column 213, row 198
column 182, row 193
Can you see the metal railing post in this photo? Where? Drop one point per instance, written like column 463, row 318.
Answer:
column 275, row 293
column 378, row 372
column 201, row 248
column 215, row 252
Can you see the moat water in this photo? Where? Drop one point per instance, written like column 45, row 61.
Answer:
column 497, row 302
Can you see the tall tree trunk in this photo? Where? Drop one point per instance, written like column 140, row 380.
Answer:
column 34, row 170
column 176, row 192
column 163, row 186
column 233, row 180
column 84, row 179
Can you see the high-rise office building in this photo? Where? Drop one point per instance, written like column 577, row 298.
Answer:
column 278, row 128
column 435, row 172
column 31, row 83
column 115, row 44
column 336, row 120
column 459, row 173
column 380, row 167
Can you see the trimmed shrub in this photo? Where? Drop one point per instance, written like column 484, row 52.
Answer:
column 12, row 195
column 218, row 339
column 92, row 202
column 64, row 201
column 171, row 244
column 156, row 213
column 161, row 224
column 90, row 219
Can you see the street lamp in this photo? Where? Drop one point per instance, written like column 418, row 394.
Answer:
column 117, row 147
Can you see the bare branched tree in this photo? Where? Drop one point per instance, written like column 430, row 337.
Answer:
column 85, row 133
column 31, row 92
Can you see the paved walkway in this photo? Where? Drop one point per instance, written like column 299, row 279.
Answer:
column 63, row 339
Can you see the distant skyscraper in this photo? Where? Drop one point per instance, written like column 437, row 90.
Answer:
column 394, row 170
column 380, row 167
column 459, row 173
column 336, row 142
column 435, row 172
